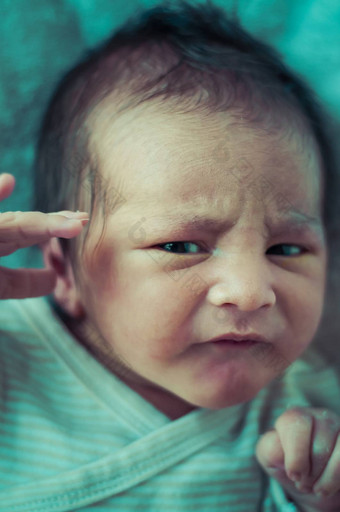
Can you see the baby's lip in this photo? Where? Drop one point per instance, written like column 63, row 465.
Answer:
column 231, row 336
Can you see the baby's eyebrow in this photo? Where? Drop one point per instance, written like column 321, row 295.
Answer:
column 293, row 221
column 299, row 224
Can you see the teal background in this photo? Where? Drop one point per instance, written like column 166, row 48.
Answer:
column 40, row 39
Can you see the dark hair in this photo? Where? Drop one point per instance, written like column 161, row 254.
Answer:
column 183, row 55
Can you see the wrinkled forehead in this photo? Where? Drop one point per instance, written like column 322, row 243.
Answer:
column 149, row 137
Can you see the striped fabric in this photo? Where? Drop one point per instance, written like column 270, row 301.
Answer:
column 73, row 437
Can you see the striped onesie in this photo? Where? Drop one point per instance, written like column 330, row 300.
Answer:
column 73, row 437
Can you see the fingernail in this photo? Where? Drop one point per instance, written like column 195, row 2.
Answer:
column 71, row 223
column 278, row 467
column 303, row 488
column 75, row 215
column 295, row 476
column 275, row 471
column 321, row 493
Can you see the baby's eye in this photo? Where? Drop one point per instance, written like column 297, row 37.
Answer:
column 193, row 248
column 286, row 250
column 181, row 247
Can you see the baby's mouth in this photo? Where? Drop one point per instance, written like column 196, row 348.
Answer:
column 235, row 338
column 239, row 344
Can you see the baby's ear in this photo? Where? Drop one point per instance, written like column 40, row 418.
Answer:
column 65, row 292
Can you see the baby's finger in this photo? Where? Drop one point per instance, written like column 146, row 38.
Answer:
column 329, row 482
column 269, row 451
column 7, row 184
column 295, row 428
column 24, row 283
column 22, row 229
column 325, row 431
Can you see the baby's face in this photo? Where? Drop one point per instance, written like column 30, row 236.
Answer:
column 220, row 231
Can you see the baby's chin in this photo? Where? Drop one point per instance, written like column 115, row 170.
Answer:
column 219, row 400
column 217, row 403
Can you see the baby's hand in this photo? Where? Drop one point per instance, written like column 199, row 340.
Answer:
column 303, row 453
column 23, row 229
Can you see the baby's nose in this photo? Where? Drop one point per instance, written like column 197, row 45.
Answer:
column 243, row 281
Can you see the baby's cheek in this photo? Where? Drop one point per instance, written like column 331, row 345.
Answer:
column 173, row 314
column 98, row 267
column 305, row 316
column 168, row 330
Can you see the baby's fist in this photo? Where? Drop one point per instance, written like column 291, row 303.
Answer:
column 303, row 453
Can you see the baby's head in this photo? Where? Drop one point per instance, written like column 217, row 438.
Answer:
column 202, row 163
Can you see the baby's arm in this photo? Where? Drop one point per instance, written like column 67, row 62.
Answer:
column 23, row 229
column 305, row 442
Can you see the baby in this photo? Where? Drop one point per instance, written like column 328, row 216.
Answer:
column 192, row 278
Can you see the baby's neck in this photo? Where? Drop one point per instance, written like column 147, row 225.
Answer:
column 170, row 405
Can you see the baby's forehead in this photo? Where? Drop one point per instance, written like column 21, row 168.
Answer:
column 155, row 156
column 175, row 133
